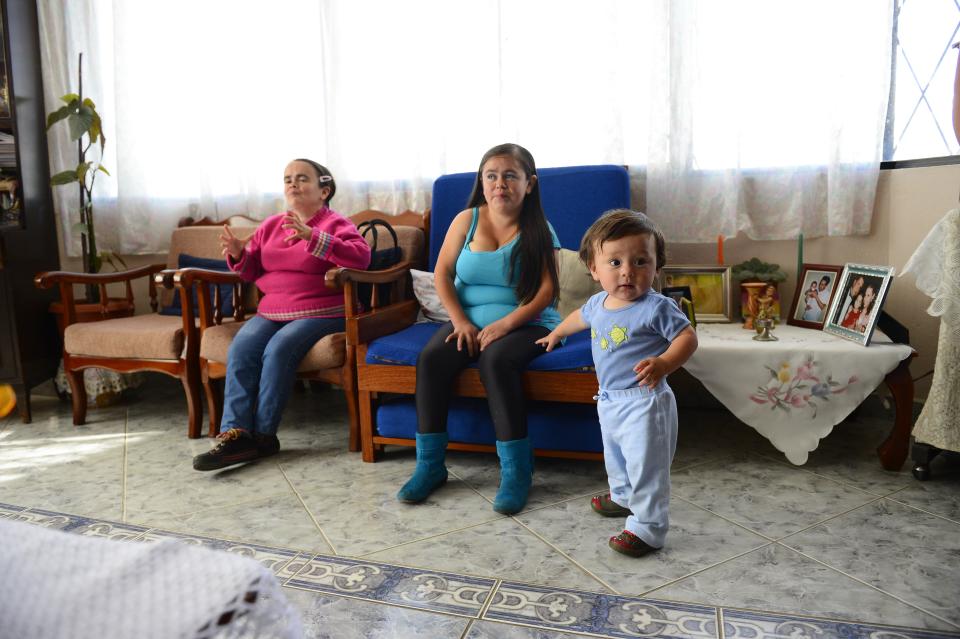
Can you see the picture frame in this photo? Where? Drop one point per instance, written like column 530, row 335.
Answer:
column 808, row 311
column 855, row 308
column 709, row 288
column 677, row 293
column 684, row 299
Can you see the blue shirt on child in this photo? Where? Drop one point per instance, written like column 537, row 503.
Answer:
column 621, row 337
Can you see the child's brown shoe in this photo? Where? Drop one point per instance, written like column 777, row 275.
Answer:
column 604, row 505
column 629, row 544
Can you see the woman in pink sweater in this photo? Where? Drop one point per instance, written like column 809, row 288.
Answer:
column 287, row 257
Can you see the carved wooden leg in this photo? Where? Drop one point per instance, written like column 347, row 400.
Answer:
column 191, row 387
column 893, row 451
column 213, row 390
column 365, row 405
column 78, row 394
column 23, row 402
column 922, row 455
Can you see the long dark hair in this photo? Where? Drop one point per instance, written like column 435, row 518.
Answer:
column 324, row 176
column 534, row 247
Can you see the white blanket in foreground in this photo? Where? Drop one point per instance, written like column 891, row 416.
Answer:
column 56, row 584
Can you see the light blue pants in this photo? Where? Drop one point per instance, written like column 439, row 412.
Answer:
column 639, row 429
column 261, row 366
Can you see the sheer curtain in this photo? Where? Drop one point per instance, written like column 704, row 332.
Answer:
column 733, row 115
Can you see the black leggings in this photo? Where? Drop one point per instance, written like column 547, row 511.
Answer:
column 501, row 368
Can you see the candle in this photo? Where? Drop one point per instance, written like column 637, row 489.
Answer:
column 719, row 250
column 800, row 255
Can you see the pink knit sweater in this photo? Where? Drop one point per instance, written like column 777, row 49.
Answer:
column 291, row 276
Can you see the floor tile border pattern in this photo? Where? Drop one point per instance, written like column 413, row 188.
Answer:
column 559, row 609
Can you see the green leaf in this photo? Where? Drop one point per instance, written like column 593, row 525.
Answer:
column 70, row 97
column 82, row 171
column 80, row 227
column 88, row 102
column 94, row 130
column 58, row 115
column 80, row 122
column 64, row 177
column 101, row 167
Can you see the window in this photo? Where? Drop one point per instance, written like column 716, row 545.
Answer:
column 920, row 116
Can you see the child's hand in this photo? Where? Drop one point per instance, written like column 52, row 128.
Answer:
column 491, row 333
column 549, row 341
column 650, row 371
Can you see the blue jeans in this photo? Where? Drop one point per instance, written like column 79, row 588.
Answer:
column 261, row 366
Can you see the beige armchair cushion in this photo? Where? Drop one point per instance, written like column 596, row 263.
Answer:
column 329, row 352
column 139, row 337
column 200, row 241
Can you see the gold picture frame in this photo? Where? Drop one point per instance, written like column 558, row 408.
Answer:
column 709, row 286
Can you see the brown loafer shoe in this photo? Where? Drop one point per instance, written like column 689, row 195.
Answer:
column 604, row 505
column 235, row 446
column 629, row 544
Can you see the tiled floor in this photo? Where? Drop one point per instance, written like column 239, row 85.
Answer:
column 758, row 547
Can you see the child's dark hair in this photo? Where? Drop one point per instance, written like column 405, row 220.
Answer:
column 535, row 245
column 324, row 176
column 616, row 224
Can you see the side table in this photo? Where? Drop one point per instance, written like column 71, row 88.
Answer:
column 795, row 390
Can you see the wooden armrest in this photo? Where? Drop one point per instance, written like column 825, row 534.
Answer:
column 165, row 278
column 337, row 277
column 187, row 276
column 378, row 322
column 48, row 279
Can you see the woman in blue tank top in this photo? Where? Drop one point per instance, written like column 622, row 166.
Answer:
column 496, row 275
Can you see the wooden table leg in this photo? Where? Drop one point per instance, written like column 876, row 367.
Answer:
column 893, row 451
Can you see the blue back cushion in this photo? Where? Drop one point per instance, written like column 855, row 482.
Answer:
column 572, row 197
column 226, row 290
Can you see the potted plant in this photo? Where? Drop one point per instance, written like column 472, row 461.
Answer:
column 86, row 128
column 758, row 279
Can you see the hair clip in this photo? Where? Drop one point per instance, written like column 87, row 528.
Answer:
column 326, row 178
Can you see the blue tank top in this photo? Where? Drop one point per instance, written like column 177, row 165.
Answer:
column 483, row 286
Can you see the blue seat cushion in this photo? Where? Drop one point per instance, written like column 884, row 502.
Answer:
column 551, row 425
column 402, row 348
column 185, row 260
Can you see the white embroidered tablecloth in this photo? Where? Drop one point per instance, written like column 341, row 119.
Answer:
column 795, row 390
column 55, row 584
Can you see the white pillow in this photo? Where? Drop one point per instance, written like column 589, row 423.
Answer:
column 426, row 293
column 576, row 283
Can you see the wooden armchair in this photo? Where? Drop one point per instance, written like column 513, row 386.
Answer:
column 108, row 334
column 332, row 359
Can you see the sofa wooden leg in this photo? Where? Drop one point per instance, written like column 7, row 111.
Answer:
column 194, row 408
column 893, row 451
column 78, row 395
column 368, row 452
column 213, row 391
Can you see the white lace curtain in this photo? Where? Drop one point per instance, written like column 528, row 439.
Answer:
column 741, row 115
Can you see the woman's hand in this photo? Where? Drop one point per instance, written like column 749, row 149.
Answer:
column 466, row 335
column 230, row 244
column 493, row 332
column 298, row 230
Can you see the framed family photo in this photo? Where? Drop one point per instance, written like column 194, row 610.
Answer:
column 811, row 301
column 709, row 288
column 855, row 307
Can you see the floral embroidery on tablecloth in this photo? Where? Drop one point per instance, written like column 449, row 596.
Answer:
column 804, row 388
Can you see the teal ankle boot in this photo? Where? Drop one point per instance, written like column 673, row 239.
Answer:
column 430, row 472
column 516, row 472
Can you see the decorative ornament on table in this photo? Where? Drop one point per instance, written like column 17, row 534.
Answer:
column 758, row 279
